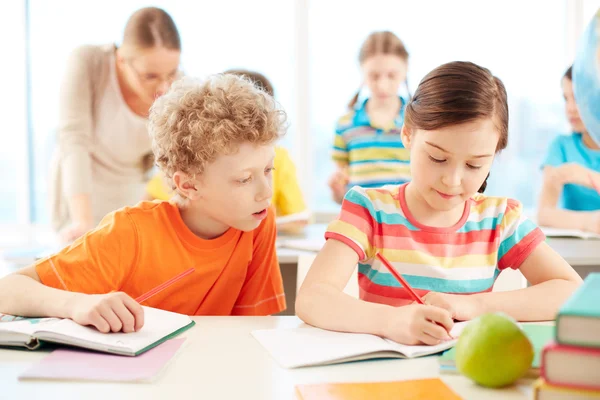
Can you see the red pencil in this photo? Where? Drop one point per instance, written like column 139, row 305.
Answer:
column 163, row 286
column 400, row 279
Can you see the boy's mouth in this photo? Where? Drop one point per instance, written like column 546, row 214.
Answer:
column 261, row 214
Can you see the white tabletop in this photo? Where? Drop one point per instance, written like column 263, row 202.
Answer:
column 221, row 360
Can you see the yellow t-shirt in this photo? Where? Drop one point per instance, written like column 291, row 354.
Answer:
column 287, row 196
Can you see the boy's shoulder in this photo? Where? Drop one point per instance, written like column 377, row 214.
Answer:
column 149, row 217
column 144, row 215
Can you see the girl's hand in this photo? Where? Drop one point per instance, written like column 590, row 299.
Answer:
column 462, row 307
column 418, row 324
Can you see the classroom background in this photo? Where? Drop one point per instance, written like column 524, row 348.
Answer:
column 308, row 49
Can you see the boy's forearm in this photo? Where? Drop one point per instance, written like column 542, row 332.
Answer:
column 22, row 295
column 540, row 302
column 328, row 308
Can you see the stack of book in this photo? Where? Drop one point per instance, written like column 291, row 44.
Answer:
column 571, row 363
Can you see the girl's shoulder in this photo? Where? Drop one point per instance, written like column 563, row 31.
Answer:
column 378, row 199
column 346, row 121
column 494, row 206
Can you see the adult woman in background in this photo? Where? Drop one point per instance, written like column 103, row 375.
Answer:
column 103, row 150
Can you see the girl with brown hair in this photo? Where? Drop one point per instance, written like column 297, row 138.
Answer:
column 440, row 231
column 367, row 148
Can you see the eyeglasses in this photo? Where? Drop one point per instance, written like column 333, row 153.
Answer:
column 153, row 79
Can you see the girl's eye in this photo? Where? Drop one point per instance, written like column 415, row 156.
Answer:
column 473, row 166
column 269, row 170
column 435, row 160
column 242, row 181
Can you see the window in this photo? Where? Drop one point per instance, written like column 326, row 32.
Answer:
column 14, row 173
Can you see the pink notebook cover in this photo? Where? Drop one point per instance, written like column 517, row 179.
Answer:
column 69, row 364
column 555, row 347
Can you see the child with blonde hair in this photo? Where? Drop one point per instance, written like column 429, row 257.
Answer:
column 287, row 195
column 448, row 240
column 215, row 141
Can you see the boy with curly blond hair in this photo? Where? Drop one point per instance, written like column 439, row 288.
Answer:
column 214, row 141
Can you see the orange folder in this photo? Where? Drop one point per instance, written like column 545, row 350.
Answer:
column 406, row 390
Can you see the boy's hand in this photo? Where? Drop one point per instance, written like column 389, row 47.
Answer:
column 112, row 312
column 418, row 324
column 461, row 307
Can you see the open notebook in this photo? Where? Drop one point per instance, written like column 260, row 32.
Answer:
column 159, row 325
column 568, row 233
column 309, row 346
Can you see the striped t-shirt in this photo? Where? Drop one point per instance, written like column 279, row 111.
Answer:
column 375, row 155
column 466, row 258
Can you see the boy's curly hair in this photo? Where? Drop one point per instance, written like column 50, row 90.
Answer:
column 198, row 120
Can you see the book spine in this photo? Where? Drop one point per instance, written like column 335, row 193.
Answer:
column 559, row 348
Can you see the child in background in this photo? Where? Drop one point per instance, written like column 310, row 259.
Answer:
column 448, row 239
column 571, row 170
column 287, row 196
column 215, row 141
column 367, row 148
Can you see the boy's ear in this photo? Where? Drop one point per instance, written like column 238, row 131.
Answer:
column 185, row 186
column 406, row 136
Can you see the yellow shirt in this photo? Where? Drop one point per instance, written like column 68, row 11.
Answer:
column 287, row 196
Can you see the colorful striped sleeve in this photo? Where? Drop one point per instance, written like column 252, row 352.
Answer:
column 519, row 237
column 356, row 223
column 340, row 147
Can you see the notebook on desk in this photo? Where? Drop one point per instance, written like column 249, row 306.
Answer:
column 405, row 390
column 309, row 346
column 568, row 233
column 82, row 365
column 30, row 333
column 314, row 245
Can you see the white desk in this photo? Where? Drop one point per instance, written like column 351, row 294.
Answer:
column 221, row 360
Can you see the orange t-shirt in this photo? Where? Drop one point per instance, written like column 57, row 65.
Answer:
column 135, row 249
